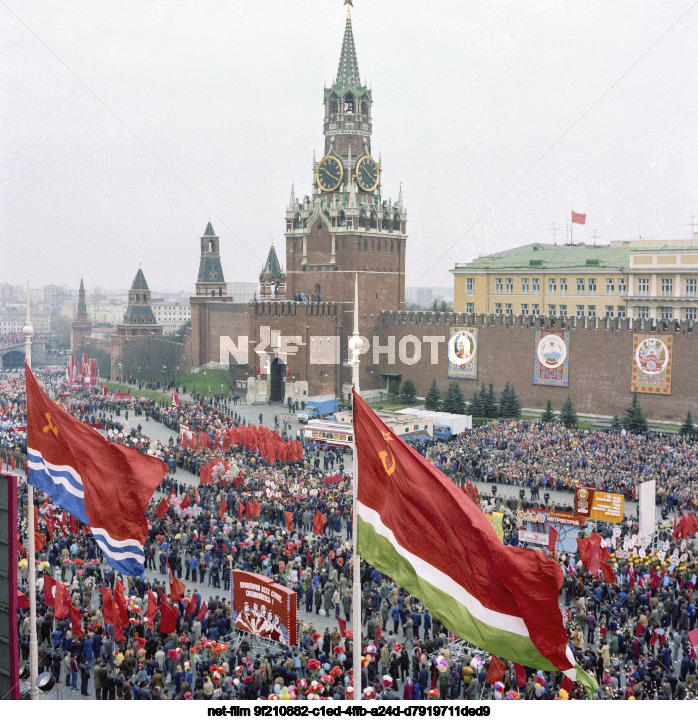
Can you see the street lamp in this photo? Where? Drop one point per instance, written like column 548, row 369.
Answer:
column 193, row 381
column 121, row 377
column 139, row 376
column 164, row 368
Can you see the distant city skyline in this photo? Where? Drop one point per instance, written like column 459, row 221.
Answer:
column 123, row 130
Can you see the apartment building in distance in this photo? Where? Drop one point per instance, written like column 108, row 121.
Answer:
column 171, row 315
column 639, row 279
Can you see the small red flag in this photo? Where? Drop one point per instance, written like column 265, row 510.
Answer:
column 168, row 616
column 196, row 494
column 222, row 508
column 22, row 600
column 75, row 621
column 248, row 511
column 191, row 605
column 289, row 520
column 161, row 510
column 579, row 218
column 520, row 675
column 177, row 588
column 319, row 521
column 119, row 602
column 39, row 539
column 379, row 633
column 107, row 606
column 186, row 501
column 62, row 603
column 241, row 508
column 73, row 525
column 496, row 670
column 342, row 626
column 152, row 608
column 202, row 611
column 332, row 479
column 239, row 480
column 552, row 538
column 256, row 508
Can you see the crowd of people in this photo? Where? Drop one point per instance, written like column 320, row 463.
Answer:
column 631, row 633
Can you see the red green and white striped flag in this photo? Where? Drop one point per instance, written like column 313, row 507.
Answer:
column 416, row 526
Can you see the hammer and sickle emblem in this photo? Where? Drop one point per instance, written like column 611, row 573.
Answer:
column 384, row 454
column 50, row 426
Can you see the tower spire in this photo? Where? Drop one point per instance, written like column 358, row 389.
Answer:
column 82, row 305
column 292, row 201
column 348, row 70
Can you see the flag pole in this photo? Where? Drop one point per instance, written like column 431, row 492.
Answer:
column 33, row 644
column 355, row 345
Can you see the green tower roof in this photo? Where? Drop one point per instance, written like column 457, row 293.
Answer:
column 348, row 71
column 139, row 281
column 272, row 267
column 209, row 232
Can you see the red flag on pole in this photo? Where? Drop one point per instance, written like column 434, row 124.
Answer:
column 119, row 601
column 62, row 603
column 151, row 608
column 161, row 510
column 256, row 508
column 107, row 606
column 49, row 590
column 22, row 600
column 248, row 511
column 177, row 588
column 520, row 675
column 186, row 501
column 289, row 520
column 241, row 508
column 75, row 621
column 202, row 611
column 496, row 670
column 342, row 626
column 222, row 508
column 579, row 218
column 168, row 616
column 552, row 538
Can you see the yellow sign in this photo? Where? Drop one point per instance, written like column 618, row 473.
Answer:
column 607, row 507
column 496, row 519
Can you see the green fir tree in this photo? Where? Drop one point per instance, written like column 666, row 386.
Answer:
column 616, row 424
column 489, row 401
column 568, row 416
column 453, row 400
column 408, row 393
column 475, row 405
column 548, row 415
column 432, row 402
column 634, row 419
column 687, row 427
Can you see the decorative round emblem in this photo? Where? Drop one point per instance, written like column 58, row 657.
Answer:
column 652, row 356
column 552, row 351
column 583, row 494
column 461, row 348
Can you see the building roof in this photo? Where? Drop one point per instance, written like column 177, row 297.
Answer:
column 139, row 281
column 272, row 267
column 209, row 232
column 348, row 70
column 546, row 255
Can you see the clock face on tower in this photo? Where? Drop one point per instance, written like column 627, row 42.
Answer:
column 329, row 173
column 367, row 173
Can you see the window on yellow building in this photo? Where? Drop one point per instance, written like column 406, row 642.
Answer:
column 621, row 311
column 498, row 309
column 622, row 286
column 643, row 286
column 563, row 310
column 580, row 311
column 592, row 286
column 524, row 309
column 610, row 287
column 580, row 286
column 667, row 286
column 591, row 311
column 643, row 312
column 535, row 285
column 691, row 287
column 510, row 286
column 609, row 311
column 535, row 309
column 498, row 285
column 551, row 309
column 508, row 309
column 563, row 286
column 470, row 286
column 524, row 286
column 666, row 312
column 552, row 285
column 470, row 307
column 689, row 313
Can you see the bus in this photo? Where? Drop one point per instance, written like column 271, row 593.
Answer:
column 333, row 435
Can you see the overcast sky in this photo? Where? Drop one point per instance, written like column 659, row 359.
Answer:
column 124, row 124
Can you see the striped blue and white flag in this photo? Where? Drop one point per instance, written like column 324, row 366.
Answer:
column 104, row 485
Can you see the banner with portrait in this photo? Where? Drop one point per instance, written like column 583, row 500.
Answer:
column 651, row 363
column 463, row 347
column 263, row 608
column 551, row 360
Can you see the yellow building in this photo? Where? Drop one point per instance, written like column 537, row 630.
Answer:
column 637, row 279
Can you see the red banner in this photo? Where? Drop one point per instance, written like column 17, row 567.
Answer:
column 263, row 608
